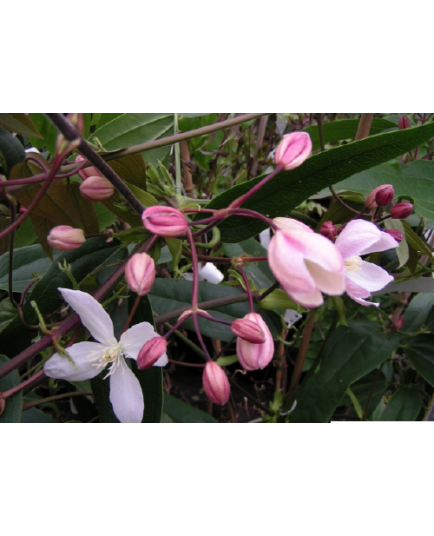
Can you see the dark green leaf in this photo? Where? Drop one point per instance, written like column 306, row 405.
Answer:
column 417, row 312
column 180, row 412
column 420, row 351
column 7, row 313
column 405, row 405
column 12, row 412
column 19, row 123
column 34, row 415
column 101, row 392
column 288, row 189
column 48, row 131
column 345, row 130
column 349, row 354
column 11, row 151
column 27, row 261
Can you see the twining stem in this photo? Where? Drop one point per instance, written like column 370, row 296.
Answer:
column 35, row 403
column 364, row 126
column 241, row 200
column 178, row 186
column 133, row 312
column 71, row 134
column 299, row 364
column 248, row 289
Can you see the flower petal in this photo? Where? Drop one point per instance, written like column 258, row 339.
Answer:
column 357, row 236
column 314, row 299
column 92, row 315
column 290, row 225
column 328, row 282
column 133, row 340
column 322, row 251
column 126, row 395
column 385, row 243
column 61, row 368
column 371, row 277
column 357, row 293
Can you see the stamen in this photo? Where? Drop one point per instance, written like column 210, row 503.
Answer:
column 354, row 264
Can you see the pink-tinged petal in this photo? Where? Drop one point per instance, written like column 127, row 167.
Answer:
column 364, row 302
column 357, row 293
column 133, row 340
column 287, row 263
column 385, row 243
column 314, row 299
column 126, row 395
column 61, row 368
column 322, row 251
column 371, row 277
column 357, row 236
column 289, row 224
column 256, row 356
column 92, row 315
column 328, row 282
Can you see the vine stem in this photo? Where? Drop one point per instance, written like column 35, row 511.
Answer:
column 241, row 200
column 364, row 126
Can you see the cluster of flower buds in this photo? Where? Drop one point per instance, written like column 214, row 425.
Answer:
column 383, row 196
column 65, row 238
column 401, row 211
column 94, row 187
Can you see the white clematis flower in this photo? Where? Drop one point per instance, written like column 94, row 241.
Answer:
column 91, row 358
column 361, row 278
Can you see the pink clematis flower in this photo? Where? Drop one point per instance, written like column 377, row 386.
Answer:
column 361, row 278
column 305, row 263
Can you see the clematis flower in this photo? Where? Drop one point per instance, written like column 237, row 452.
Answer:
column 305, row 263
column 256, row 356
column 90, row 358
column 361, row 278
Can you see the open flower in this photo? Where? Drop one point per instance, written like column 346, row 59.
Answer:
column 305, row 263
column 361, row 278
column 90, row 358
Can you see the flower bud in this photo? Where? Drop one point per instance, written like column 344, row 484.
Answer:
column 140, row 273
column 380, row 197
column 86, row 172
column 404, row 122
column 329, row 230
column 293, row 150
column 151, row 352
column 216, row 383
column 65, row 238
column 395, row 234
column 399, row 322
column 78, row 122
column 164, row 221
column 96, row 188
column 401, row 211
column 248, row 331
column 256, row 356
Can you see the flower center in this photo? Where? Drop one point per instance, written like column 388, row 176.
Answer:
column 112, row 355
column 354, row 264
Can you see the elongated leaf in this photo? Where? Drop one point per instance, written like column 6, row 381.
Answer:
column 84, row 208
column 345, row 129
column 19, row 123
column 423, row 284
column 11, row 152
column 405, row 405
column 47, row 130
column 27, row 261
column 349, row 354
column 7, row 313
column 34, row 415
column 5, row 221
column 180, row 412
column 417, row 312
column 131, row 169
column 12, row 412
column 132, row 129
column 420, row 352
column 101, row 392
column 168, row 295
column 288, row 189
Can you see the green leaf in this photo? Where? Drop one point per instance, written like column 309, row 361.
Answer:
column 11, row 151
column 19, row 123
column 84, row 208
column 227, row 361
column 288, row 189
column 420, row 352
column 27, row 261
column 47, row 130
column 402, row 251
column 345, row 130
column 12, row 412
column 5, row 221
column 133, row 129
column 349, row 354
column 417, row 312
column 355, row 403
column 34, row 415
column 373, row 385
column 415, row 242
column 405, row 405
column 168, row 295
column 180, row 412
column 131, row 169
column 101, row 392
column 423, row 284
column 7, row 313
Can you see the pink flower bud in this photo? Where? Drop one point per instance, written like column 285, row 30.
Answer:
column 329, row 230
column 151, row 352
column 404, row 122
column 65, row 238
column 87, row 172
column 96, row 188
column 401, row 211
column 216, row 384
column 383, row 194
column 140, row 273
column 248, row 330
column 256, row 356
column 164, row 221
column 293, row 150
column 399, row 322
column 395, row 234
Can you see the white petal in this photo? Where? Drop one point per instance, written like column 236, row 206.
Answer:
column 371, row 277
column 309, row 301
column 357, row 236
column 162, row 362
column 385, row 243
column 211, row 274
column 328, row 282
column 61, row 368
column 92, row 315
column 133, row 340
column 126, row 395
